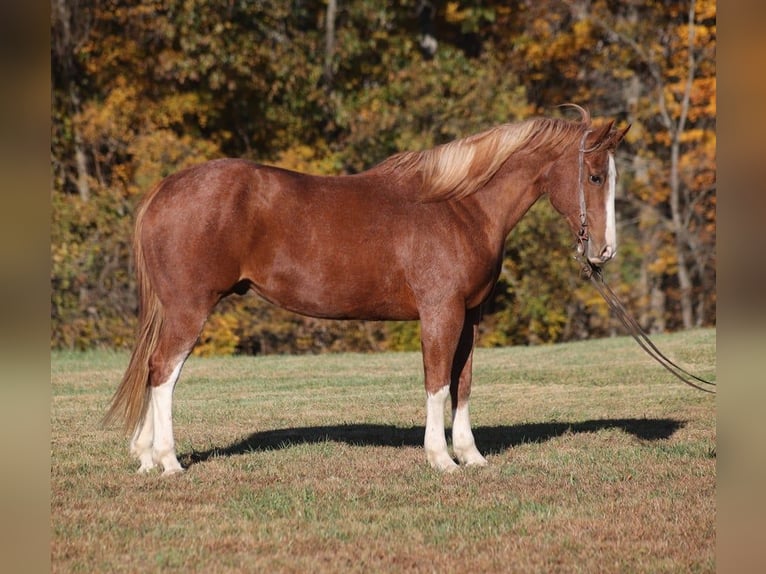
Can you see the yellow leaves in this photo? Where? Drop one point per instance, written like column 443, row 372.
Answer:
column 125, row 109
column 306, row 159
column 636, row 133
column 297, row 158
column 160, row 152
column 693, row 135
column 697, row 165
column 652, row 188
column 112, row 118
column 453, row 13
column 469, row 19
column 219, row 337
column 591, row 298
column 705, row 10
column 172, row 109
column 582, row 34
column 703, row 98
column 125, row 123
column 665, row 260
column 535, row 52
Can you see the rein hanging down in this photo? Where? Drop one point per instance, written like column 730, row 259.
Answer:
column 593, row 272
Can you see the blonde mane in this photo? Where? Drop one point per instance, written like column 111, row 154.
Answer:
column 459, row 168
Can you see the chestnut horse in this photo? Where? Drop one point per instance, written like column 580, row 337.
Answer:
column 419, row 236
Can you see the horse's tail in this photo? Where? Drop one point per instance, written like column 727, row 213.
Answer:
column 131, row 399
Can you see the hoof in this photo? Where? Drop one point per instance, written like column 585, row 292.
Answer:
column 146, row 468
column 443, row 463
column 472, row 458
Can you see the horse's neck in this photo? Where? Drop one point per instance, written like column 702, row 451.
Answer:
column 509, row 195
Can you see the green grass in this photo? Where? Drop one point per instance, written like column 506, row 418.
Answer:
column 599, row 461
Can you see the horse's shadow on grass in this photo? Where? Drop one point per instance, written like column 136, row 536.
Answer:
column 491, row 440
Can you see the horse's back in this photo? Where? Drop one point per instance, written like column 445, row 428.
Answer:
column 322, row 246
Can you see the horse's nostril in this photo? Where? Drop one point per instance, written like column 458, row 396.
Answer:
column 607, row 253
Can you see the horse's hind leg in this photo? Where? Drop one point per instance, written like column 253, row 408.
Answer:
column 141, row 443
column 153, row 443
column 163, row 444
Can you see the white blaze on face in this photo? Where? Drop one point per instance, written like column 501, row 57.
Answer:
column 611, row 225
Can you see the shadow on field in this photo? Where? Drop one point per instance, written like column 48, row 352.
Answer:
column 489, row 439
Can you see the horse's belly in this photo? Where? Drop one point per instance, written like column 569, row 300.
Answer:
column 339, row 293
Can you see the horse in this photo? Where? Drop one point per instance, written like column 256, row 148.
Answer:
column 420, row 236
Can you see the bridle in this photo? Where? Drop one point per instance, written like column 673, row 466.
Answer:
column 593, row 272
column 582, row 236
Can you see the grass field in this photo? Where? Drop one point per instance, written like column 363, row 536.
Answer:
column 599, row 461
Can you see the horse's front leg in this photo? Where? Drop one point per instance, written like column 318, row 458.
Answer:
column 463, row 442
column 440, row 334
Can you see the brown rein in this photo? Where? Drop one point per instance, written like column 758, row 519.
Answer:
column 583, row 235
column 593, row 272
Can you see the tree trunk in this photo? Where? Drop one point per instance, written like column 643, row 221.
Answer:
column 329, row 43
column 81, row 161
column 69, row 28
column 684, row 277
column 676, row 129
column 657, row 303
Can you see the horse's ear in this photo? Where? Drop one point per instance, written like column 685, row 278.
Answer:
column 622, row 134
column 597, row 138
column 616, row 137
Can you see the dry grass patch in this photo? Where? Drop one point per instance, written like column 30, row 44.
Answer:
column 599, row 462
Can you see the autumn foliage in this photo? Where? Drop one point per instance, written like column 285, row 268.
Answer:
column 142, row 89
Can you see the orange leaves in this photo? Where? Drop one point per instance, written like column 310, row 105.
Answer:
column 703, row 99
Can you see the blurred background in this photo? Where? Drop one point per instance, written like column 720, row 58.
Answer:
column 142, row 89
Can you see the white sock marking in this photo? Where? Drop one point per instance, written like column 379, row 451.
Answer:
column 435, row 443
column 141, row 443
column 462, row 437
column 163, row 445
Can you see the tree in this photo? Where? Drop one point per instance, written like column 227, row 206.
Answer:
column 652, row 65
column 142, row 89
column 671, row 47
column 70, row 27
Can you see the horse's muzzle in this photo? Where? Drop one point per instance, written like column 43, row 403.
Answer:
column 607, row 253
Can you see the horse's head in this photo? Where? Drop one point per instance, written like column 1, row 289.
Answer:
column 581, row 186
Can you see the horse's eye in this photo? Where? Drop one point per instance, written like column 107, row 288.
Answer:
column 595, row 179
